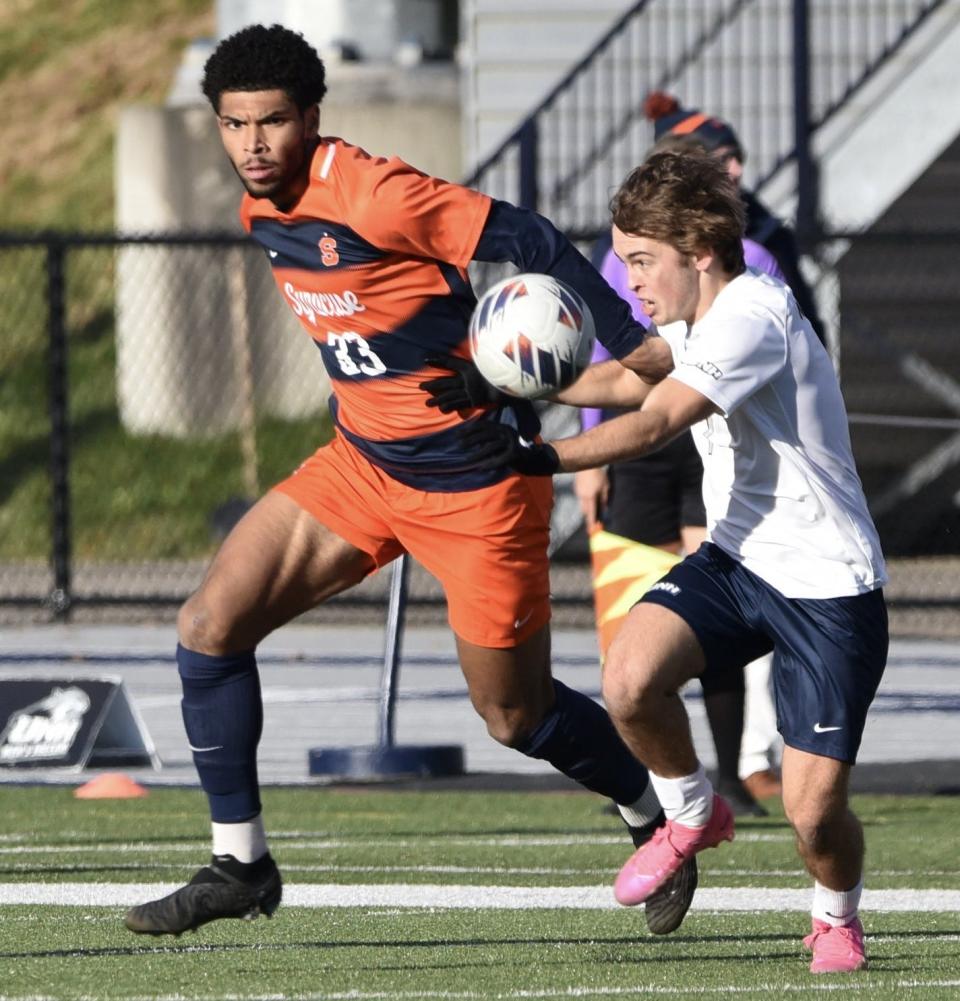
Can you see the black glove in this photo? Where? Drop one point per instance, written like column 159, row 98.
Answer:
column 463, row 390
column 498, row 445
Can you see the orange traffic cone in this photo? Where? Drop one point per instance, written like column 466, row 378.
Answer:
column 110, row 785
column 622, row 571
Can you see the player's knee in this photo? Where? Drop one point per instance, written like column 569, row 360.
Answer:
column 508, row 725
column 816, row 826
column 813, row 834
column 628, row 683
column 204, row 627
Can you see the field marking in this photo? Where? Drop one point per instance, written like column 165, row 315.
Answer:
column 809, row 986
column 313, row 844
column 720, row 872
column 476, row 897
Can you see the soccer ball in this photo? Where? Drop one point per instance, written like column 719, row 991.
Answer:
column 531, row 335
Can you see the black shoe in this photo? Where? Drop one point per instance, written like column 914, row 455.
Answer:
column 212, row 893
column 741, row 802
column 665, row 910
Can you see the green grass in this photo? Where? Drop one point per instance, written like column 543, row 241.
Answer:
column 133, row 497
column 66, row 67
column 33, row 30
column 373, row 836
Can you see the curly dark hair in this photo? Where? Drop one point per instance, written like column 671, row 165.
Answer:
column 261, row 58
column 686, row 199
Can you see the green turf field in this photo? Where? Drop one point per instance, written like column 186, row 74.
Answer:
column 406, row 882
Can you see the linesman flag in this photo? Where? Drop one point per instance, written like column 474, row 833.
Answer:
column 623, row 570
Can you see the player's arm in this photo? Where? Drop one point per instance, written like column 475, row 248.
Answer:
column 617, row 384
column 668, row 410
column 533, row 243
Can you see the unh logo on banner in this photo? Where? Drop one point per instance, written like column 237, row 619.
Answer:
column 46, row 729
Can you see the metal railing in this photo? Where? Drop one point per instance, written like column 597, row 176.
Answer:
column 776, row 69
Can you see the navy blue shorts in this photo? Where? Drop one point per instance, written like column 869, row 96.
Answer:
column 829, row 653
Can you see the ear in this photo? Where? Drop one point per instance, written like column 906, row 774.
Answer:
column 703, row 258
column 311, row 120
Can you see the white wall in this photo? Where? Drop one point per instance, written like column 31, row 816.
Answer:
column 374, row 27
column 512, row 53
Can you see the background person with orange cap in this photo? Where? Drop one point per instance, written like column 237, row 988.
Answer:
column 671, row 120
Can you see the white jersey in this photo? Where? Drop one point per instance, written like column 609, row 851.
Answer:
column 780, row 486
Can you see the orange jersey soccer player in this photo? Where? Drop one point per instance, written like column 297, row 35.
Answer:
column 371, row 255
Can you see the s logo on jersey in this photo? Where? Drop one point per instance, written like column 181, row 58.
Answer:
column 328, row 252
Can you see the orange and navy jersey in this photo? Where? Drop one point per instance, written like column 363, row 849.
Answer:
column 372, row 259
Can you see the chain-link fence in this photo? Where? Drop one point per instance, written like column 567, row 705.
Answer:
column 150, row 389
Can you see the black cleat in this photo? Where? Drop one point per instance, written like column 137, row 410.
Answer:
column 213, row 893
column 665, row 910
column 740, row 799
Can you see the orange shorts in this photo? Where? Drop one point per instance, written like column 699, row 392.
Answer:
column 487, row 547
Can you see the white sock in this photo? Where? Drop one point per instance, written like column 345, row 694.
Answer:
column 246, row 841
column 836, row 907
column 640, row 812
column 687, row 800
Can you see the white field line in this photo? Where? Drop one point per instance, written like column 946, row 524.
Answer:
column 476, row 897
column 502, row 870
column 806, row 987
column 512, row 841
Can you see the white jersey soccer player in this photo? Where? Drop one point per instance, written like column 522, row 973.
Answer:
column 780, row 485
column 793, row 561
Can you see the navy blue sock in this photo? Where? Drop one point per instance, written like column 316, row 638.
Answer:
column 223, row 716
column 578, row 739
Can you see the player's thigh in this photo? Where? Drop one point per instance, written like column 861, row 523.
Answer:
column 815, row 787
column 694, row 622
column 655, row 649
column 278, row 562
column 829, row 659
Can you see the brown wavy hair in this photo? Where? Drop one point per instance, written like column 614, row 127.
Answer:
column 685, row 199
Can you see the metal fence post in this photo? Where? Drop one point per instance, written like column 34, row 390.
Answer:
column 60, row 598
column 387, row 759
column 396, row 614
column 808, row 208
column 529, row 164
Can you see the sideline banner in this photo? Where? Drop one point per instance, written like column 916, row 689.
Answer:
column 71, row 723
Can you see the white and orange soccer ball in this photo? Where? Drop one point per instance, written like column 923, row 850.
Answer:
column 531, row 335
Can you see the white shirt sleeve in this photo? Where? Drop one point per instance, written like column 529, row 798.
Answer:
column 730, row 354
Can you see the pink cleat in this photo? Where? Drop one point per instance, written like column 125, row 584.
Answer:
column 664, row 854
column 836, row 949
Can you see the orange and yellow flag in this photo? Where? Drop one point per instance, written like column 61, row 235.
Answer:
column 623, row 570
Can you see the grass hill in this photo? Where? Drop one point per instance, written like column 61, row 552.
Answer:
column 66, row 67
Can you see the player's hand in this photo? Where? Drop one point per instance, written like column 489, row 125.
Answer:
column 592, row 490
column 497, row 446
column 464, row 389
